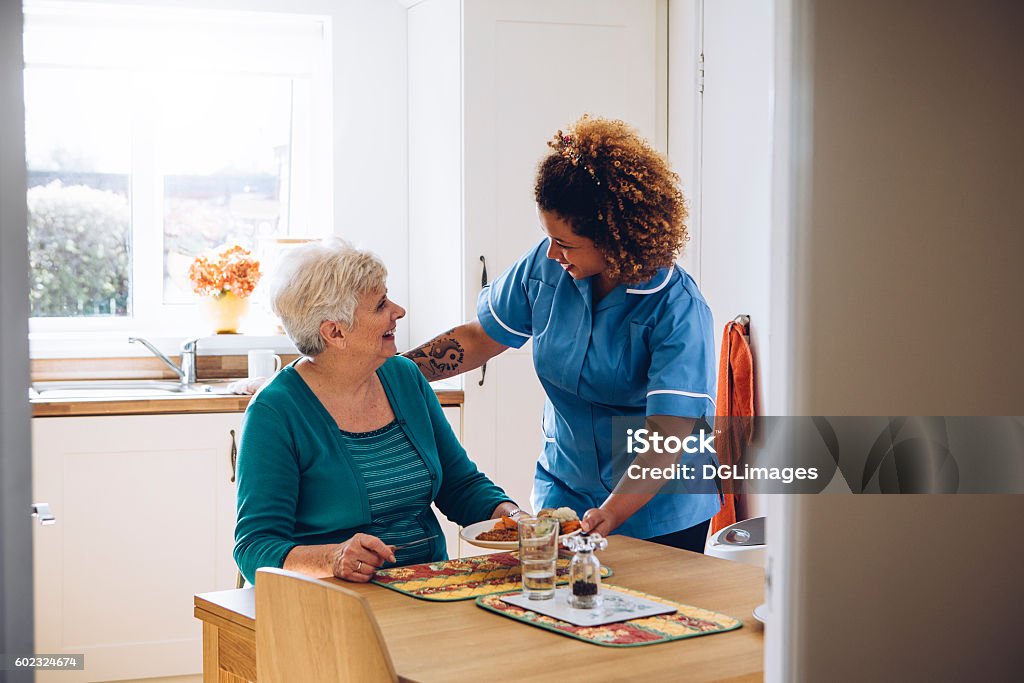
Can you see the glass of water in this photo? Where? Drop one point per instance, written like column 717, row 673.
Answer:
column 538, row 554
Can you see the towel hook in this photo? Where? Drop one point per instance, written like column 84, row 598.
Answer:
column 743, row 320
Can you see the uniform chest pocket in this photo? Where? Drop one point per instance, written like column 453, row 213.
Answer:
column 541, row 297
column 635, row 363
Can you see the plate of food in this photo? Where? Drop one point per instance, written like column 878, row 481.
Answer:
column 503, row 534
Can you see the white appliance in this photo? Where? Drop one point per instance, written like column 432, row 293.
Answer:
column 742, row 542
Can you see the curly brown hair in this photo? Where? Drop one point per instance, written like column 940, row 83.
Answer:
column 615, row 189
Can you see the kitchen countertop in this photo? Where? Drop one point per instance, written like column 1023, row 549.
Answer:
column 169, row 405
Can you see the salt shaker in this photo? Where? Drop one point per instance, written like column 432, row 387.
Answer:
column 585, row 570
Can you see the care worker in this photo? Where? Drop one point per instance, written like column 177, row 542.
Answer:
column 618, row 329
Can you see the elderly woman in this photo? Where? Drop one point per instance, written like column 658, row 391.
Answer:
column 343, row 452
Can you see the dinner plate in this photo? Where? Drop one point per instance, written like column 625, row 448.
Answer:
column 761, row 613
column 469, row 534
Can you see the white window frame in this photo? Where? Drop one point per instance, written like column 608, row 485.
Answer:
column 305, row 56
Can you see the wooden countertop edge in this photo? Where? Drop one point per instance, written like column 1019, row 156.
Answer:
column 172, row 406
column 234, row 606
column 220, row 622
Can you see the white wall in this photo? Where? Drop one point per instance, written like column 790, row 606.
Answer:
column 904, row 181
column 736, row 172
column 435, row 168
column 370, row 135
column 720, row 144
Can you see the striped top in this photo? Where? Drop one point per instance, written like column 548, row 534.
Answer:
column 398, row 487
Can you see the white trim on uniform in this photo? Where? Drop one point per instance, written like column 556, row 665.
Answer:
column 656, row 289
column 499, row 320
column 691, row 394
column 549, row 439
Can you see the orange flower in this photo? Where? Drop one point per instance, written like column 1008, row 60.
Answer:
column 233, row 269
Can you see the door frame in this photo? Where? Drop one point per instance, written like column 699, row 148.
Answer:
column 685, row 111
column 16, row 623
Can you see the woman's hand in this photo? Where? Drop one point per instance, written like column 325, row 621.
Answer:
column 358, row 558
column 600, row 520
column 506, row 509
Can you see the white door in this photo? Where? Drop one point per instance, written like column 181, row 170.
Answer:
column 145, row 511
column 530, row 68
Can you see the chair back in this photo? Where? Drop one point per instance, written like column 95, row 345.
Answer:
column 314, row 631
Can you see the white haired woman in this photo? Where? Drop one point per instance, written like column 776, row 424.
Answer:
column 343, row 452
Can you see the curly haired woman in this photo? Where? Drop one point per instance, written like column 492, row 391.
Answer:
column 619, row 332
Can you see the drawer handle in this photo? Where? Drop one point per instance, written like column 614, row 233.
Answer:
column 41, row 511
column 234, row 455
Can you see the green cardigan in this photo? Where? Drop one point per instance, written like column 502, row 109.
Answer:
column 297, row 484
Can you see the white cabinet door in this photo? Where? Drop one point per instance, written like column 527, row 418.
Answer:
column 451, row 529
column 145, row 512
column 456, row 546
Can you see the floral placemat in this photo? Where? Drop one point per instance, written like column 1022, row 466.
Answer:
column 466, row 578
column 687, row 622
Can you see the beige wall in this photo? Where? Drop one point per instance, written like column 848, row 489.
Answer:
column 916, row 230
column 910, row 588
column 909, row 287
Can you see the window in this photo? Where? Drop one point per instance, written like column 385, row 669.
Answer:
column 153, row 136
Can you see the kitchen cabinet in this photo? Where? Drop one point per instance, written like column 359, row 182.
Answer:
column 456, row 546
column 451, row 529
column 145, row 511
column 490, row 82
column 145, row 518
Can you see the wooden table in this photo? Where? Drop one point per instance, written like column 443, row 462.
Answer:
column 450, row 641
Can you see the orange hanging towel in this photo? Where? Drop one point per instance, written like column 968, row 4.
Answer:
column 735, row 408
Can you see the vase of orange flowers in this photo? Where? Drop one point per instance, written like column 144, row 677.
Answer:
column 225, row 279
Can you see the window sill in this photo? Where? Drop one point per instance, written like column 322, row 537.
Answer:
column 115, row 345
column 46, row 346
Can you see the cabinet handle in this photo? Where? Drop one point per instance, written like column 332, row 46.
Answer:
column 483, row 283
column 41, row 511
column 234, row 455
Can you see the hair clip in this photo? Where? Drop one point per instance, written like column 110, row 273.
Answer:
column 568, row 146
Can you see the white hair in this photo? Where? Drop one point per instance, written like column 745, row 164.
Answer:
column 321, row 281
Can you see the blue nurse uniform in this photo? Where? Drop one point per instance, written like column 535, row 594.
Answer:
column 644, row 349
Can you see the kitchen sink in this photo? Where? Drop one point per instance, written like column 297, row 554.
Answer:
column 119, row 388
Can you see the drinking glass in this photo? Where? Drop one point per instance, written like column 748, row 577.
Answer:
column 538, row 554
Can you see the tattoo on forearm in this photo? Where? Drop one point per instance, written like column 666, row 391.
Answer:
column 440, row 357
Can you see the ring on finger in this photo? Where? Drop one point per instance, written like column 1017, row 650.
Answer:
column 359, row 565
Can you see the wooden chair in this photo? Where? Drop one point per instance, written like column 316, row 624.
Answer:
column 313, row 631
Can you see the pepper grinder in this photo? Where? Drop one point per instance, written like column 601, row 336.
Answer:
column 585, row 570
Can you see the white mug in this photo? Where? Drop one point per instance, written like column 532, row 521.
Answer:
column 263, row 363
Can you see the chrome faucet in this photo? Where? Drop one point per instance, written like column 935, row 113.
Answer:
column 187, row 372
